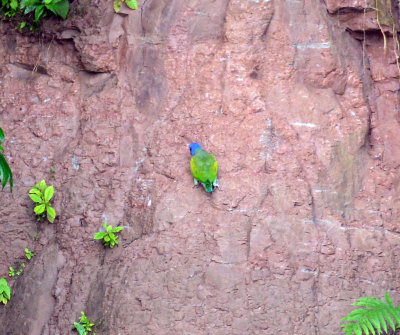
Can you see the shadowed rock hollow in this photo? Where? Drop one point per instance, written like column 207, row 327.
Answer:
column 299, row 103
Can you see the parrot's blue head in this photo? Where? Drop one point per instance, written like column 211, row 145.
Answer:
column 193, row 148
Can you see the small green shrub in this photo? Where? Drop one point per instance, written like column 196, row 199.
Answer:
column 28, row 253
column 5, row 291
column 41, row 195
column 32, row 11
column 11, row 272
column 132, row 4
column 374, row 318
column 21, row 269
column 9, row 8
column 43, row 8
column 5, row 171
column 108, row 236
column 52, row 171
column 84, row 326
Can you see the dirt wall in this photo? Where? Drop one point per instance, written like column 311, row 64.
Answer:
column 299, row 103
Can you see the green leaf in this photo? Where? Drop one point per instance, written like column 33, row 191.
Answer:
column 36, row 198
column 29, row 9
column 41, row 186
column 5, row 290
column 62, row 8
column 99, row 235
column 395, row 315
column 5, row 173
column 1, row 130
column 117, row 229
column 14, row 4
column 374, row 318
column 52, row 7
column 117, row 4
column 388, row 299
column 22, row 25
column 36, row 191
column 50, row 218
column 39, row 209
column 132, row 4
column 38, row 12
column 51, row 213
column 10, row 178
column 365, row 329
column 382, row 321
column 106, row 238
column 370, row 327
column 109, row 228
column 389, row 319
column 357, row 329
column 3, row 283
column 81, row 330
column 26, row 3
column 48, row 193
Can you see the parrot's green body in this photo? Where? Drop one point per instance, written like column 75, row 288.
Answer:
column 204, row 167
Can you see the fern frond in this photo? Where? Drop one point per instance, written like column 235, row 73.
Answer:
column 373, row 318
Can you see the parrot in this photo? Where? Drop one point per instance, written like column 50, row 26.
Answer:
column 204, row 167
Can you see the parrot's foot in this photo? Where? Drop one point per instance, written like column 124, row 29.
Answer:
column 215, row 183
column 196, row 182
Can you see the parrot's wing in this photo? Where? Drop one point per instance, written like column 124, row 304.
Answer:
column 204, row 167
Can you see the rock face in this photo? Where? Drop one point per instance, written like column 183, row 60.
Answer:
column 299, row 103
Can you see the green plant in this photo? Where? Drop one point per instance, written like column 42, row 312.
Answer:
column 374, row 317
column 132, row 4
column 11, row 272
column 52, row 171
column 9, row 8
column 42, row 8
column 28, row 253
column 108, row 236
column 41, row 195
column 5, row 171
column 35, row 236
column 19, row 272
column 5, row 291
column 32, row 11
column 84, row 326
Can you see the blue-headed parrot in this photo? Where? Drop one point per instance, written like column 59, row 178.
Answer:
column 204, row 167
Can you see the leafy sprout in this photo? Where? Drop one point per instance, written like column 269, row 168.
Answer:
column 28, row 253
column 108, row 236
column 84, row 326
column 41, row 195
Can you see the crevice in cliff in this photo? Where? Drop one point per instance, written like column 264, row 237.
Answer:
column 142, row 9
